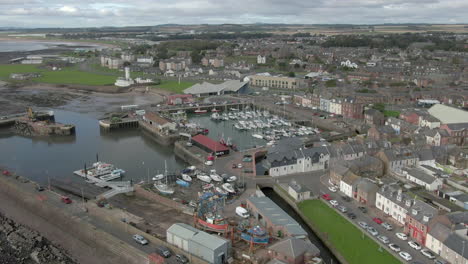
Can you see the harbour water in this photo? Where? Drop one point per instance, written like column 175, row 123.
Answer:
column 57, row 157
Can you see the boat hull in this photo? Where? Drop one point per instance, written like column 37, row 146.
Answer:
column 255, row 240
column 217, row 228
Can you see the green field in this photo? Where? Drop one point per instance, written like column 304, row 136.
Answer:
column 354, row 246
column 174, row 86
column 64, row 76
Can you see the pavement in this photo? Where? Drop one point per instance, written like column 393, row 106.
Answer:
column 352, row 206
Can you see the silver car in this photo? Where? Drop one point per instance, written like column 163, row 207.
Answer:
column 372, row 231
column 140, row 239
column 384, row 239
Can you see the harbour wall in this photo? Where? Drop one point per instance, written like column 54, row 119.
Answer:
column 183, row 153
column 165, row 140
column 82, row 240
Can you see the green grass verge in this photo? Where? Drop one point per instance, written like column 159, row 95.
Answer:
column 389, row 113
column 64, row 76
column 355, row 247
column 173, row 86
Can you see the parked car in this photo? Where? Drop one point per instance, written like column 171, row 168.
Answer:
column 387, row 226
column 384, row 239
column 140, row 239
column 377, row 220
column 427, row 253
column 332, row 189
column 326, row 197
column 414, row 245
column 372, row 231
column 362, row 209
column 234, row 166
column 239, row 166
column 351, row 215
column 181, row 259
column 402, row 236
column 346, row 198
column 394, row 247
column 163, row 251
column 363, row 224
column 334, row 203
column 439, row 261
column 39, row 188
column 405, row 255
column 66, row 199
column 342, row 209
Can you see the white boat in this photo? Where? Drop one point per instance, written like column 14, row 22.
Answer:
column 228, row 187
column 216, row 177
column 158, row 177
column 207, row 186
column 232, row 179
column 220, row 190
column 186, row 177
column 112, row 176
column 215, row 116
column 204, row 178
column 163, row 187
column 208, row 162
column 192, row 168
column 257, row 136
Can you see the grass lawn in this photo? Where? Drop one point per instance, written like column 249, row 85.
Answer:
column 174, row 86
column 347, row 239
column 248, row 59
column 64, row 76
column 389, row 113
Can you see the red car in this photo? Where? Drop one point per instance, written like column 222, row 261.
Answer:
column 377, row 220
column 66, row 200
column 326, row 197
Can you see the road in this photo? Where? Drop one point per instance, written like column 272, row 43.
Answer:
column 352, row 206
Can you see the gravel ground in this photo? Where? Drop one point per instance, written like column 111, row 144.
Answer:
column 19, row 244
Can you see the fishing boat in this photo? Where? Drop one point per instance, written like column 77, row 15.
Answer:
column 215, row 116
column 163, row 187
column 228, row 187
column 213, row 222
column 182, row 183
column 112, row 176
column 232, row 179
column 207, row 186
column 256, row 235
column 158, row 177
column 200, row 111
column 214, row 110
column 122, row 172
column 204, row 178
column 186, row 177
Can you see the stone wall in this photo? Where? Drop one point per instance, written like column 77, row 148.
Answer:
column 157, row 137
column 183, row 153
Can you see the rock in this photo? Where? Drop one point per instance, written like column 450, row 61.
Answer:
column 35, row 257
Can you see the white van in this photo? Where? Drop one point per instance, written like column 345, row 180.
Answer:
column 242, row 212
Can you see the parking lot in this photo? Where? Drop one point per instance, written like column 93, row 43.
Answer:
column 371, row 217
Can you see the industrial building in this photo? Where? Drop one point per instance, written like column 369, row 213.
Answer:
column 210, row 248
column 209, row 145
column 275, row 219
column 227, row 87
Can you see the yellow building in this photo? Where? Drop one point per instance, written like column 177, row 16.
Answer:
column 273, row 81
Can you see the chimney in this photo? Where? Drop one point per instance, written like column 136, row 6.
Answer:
column 415, row 211
column 427, row 217
column 408, row 202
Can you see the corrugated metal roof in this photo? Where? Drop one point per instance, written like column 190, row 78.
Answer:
column 183, row 230
column 208, row 142
column 210, row 241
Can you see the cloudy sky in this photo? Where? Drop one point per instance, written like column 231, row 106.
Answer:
column 84, row 13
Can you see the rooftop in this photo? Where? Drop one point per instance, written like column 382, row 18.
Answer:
column 448, row 115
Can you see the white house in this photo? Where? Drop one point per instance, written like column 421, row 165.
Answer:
column 335, row 106
column 393, row 203
column 428, row 121
column 348, row 184
column 349, row 64
column 261, row 59
column 422, row 178
column 298, row 191
column 297, row 161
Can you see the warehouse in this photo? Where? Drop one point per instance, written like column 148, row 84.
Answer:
column 227, row 87
column 209, row 145
column 210, row 248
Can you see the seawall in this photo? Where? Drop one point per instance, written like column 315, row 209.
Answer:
column 156, row 136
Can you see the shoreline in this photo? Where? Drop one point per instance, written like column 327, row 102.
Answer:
column 57, row 41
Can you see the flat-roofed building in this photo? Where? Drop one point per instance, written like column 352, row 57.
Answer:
column 274, row 81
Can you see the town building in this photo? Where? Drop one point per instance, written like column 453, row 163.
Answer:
column 418, row 219
column 111, row 62
column 366, row 192
column 273, row 218
column 396, row 159
column 274, row 81
column 422, row 178
column 448, row 115
column 374, row 117
column 350, row 108
column 293, row 251
column 207, row 144
column 211, row 248
column 261, row 59
column 209, row 89
column 298, row 191
column 393, row 202
column 458, row 133
column 158, row 122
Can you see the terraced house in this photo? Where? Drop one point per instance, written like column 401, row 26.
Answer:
column 297, row 161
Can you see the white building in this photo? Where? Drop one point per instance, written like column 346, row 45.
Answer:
column 298, row 191
column 335, row 106
column 349, row 64
column 261, row 59
column 298, row 161
column 393, row 203
column 348, row 184
column 422, row 178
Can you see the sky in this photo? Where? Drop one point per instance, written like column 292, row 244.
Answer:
column 87, row 13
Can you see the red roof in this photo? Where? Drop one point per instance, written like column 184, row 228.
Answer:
column 209, row 143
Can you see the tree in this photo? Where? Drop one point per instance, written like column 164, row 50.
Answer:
column 196, row 56
column 291, row 74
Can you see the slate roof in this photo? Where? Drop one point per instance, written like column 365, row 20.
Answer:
column 420, row 174
column 458, row 126
column 294, row 247
column 456, row 243
column 291, row 157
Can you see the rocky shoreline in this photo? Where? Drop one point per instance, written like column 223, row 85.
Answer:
column 21, row 245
